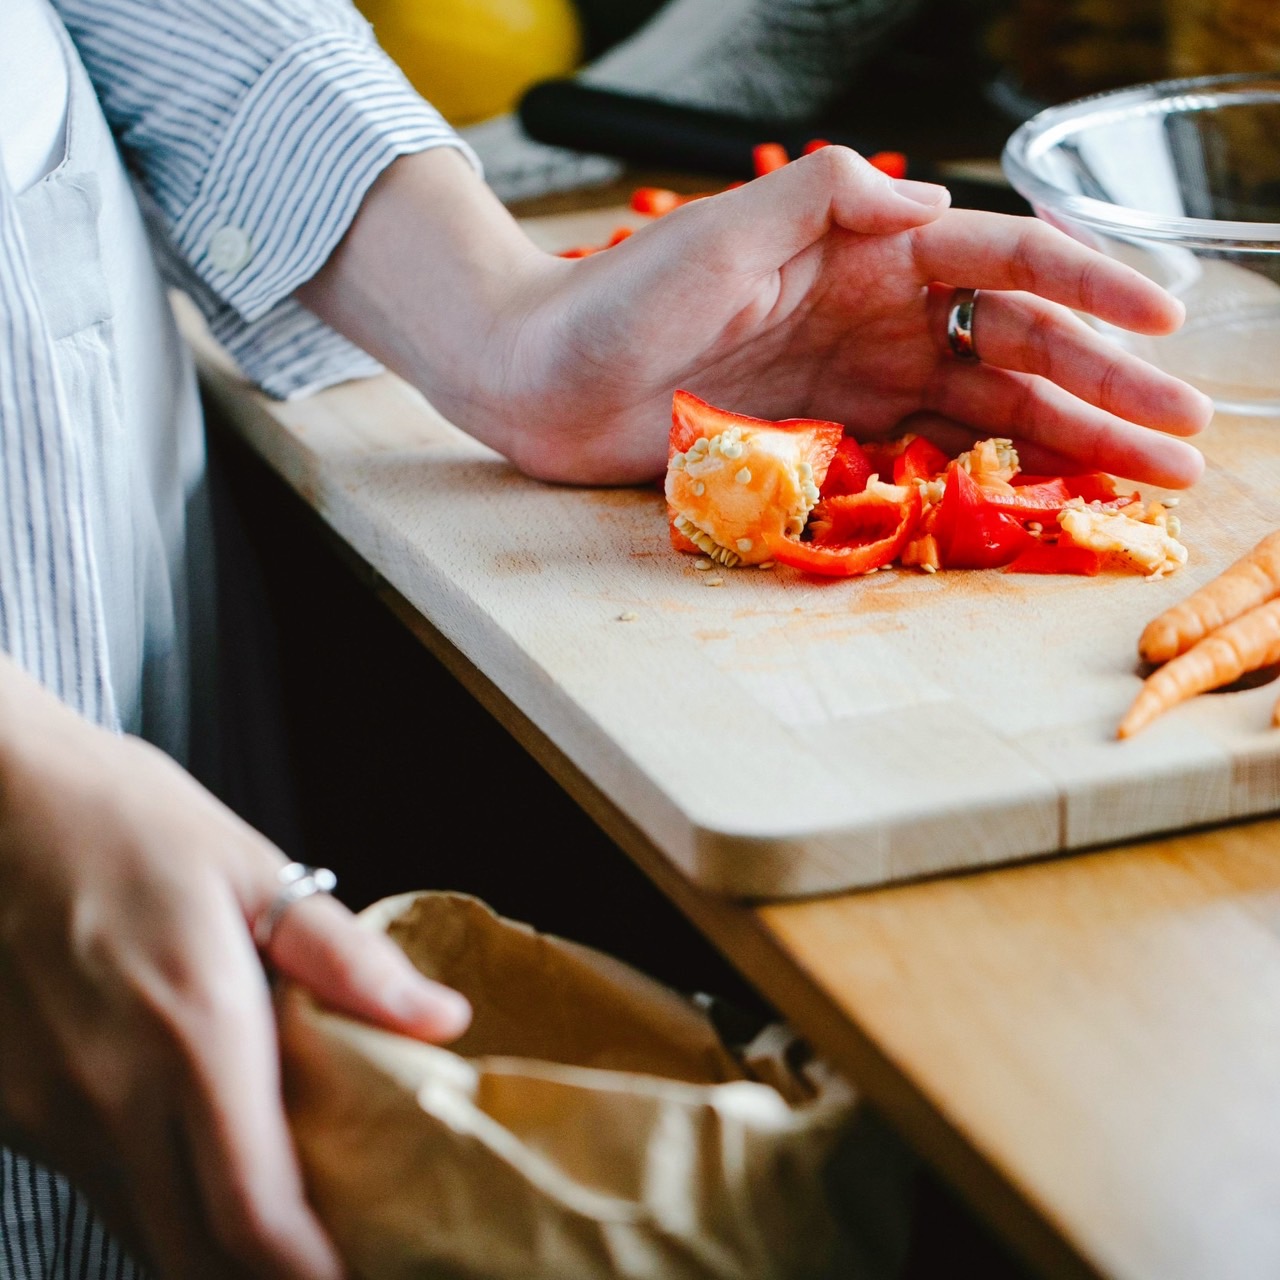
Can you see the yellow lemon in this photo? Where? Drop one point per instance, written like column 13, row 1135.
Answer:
column 472, row 59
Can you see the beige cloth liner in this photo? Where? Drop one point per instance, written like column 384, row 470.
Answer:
column 590, row 1124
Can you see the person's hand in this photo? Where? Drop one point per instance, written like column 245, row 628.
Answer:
column 138, row 1055
column 807, row 293
column 820, row 290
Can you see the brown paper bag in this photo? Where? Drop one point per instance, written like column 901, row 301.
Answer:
column 590, row 1124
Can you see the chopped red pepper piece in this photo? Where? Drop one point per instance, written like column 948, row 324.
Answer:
column 849, row 471
column 1056, row 557
column 971, row 532
column 920, row 460
column 1040, row 502
column 768, row 156
column 852, row 534
column 771, row 463
column 654, row 201
column 814, row 144
column 693, row 418
column 1091, row 486
column 893, row 163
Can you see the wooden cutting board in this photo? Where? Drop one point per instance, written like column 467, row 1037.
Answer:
column 775, row 736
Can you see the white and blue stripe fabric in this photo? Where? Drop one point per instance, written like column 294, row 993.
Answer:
column 246, row 133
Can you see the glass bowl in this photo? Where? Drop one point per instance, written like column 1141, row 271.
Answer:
column 1180, row 179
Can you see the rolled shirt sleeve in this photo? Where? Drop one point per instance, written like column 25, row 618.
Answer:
column 254, row 129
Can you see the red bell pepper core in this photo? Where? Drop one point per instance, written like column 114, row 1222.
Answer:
column 853, row 534
column 768, row 156
column 920, row 460
column 693, row 418
column 1056, row 557
column 971, row 532
column 893, row 163
column 849, row 471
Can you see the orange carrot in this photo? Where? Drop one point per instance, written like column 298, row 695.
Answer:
column 1247, row 643
column 1252, row 580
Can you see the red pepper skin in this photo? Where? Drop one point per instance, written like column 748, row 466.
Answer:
column 920, row 460
column 1092, row 486
column 1056, row 557
column 692, row 418
column 854, row 533
column 768, row 156
column 849, row 471
column 971, row 532
column 1040, row 502
column 654, row 201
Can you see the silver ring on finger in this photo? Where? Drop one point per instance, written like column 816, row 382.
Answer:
column 964, row 306
column 297, row 881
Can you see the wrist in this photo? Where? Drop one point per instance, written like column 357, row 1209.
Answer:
column 435, row 279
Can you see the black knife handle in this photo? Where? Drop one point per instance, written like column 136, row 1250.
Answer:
column 663, row 135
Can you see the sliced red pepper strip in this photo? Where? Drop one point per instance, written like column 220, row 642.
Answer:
column 814, row 144
column 1040, row 501
column 971, row 532
column 893, row 163
column 920, row 460
column 768, row 156
column 1056, row 557
column 849, row 471
column 853, row 534
column 1092, row 486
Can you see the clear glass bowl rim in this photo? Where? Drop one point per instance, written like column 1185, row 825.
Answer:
column 1206, row 233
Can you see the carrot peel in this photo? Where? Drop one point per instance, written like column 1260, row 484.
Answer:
column 1247, row 643
column 1250, row 581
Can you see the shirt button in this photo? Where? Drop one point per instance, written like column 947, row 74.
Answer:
column 230, row 248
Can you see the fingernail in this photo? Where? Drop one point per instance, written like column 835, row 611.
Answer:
column 423, row 1001
column 926, row 193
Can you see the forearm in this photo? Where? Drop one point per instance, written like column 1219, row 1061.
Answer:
column 34, row 726
column 433, row 278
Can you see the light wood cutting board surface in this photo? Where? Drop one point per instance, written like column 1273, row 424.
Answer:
column 776, row 736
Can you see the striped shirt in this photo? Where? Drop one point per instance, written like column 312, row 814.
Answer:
column 252, row 130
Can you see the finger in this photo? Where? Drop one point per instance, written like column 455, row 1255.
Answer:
column 319, row 944
column 1020, row 331
column 170, row 1234
column 1011, row 404
column 234, row 1142
column 954, row 437
column 979, row 250
column 766, row 222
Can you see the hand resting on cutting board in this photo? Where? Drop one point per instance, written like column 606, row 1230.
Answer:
column 820, row 290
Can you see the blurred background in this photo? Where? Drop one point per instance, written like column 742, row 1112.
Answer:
column 940, row 79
